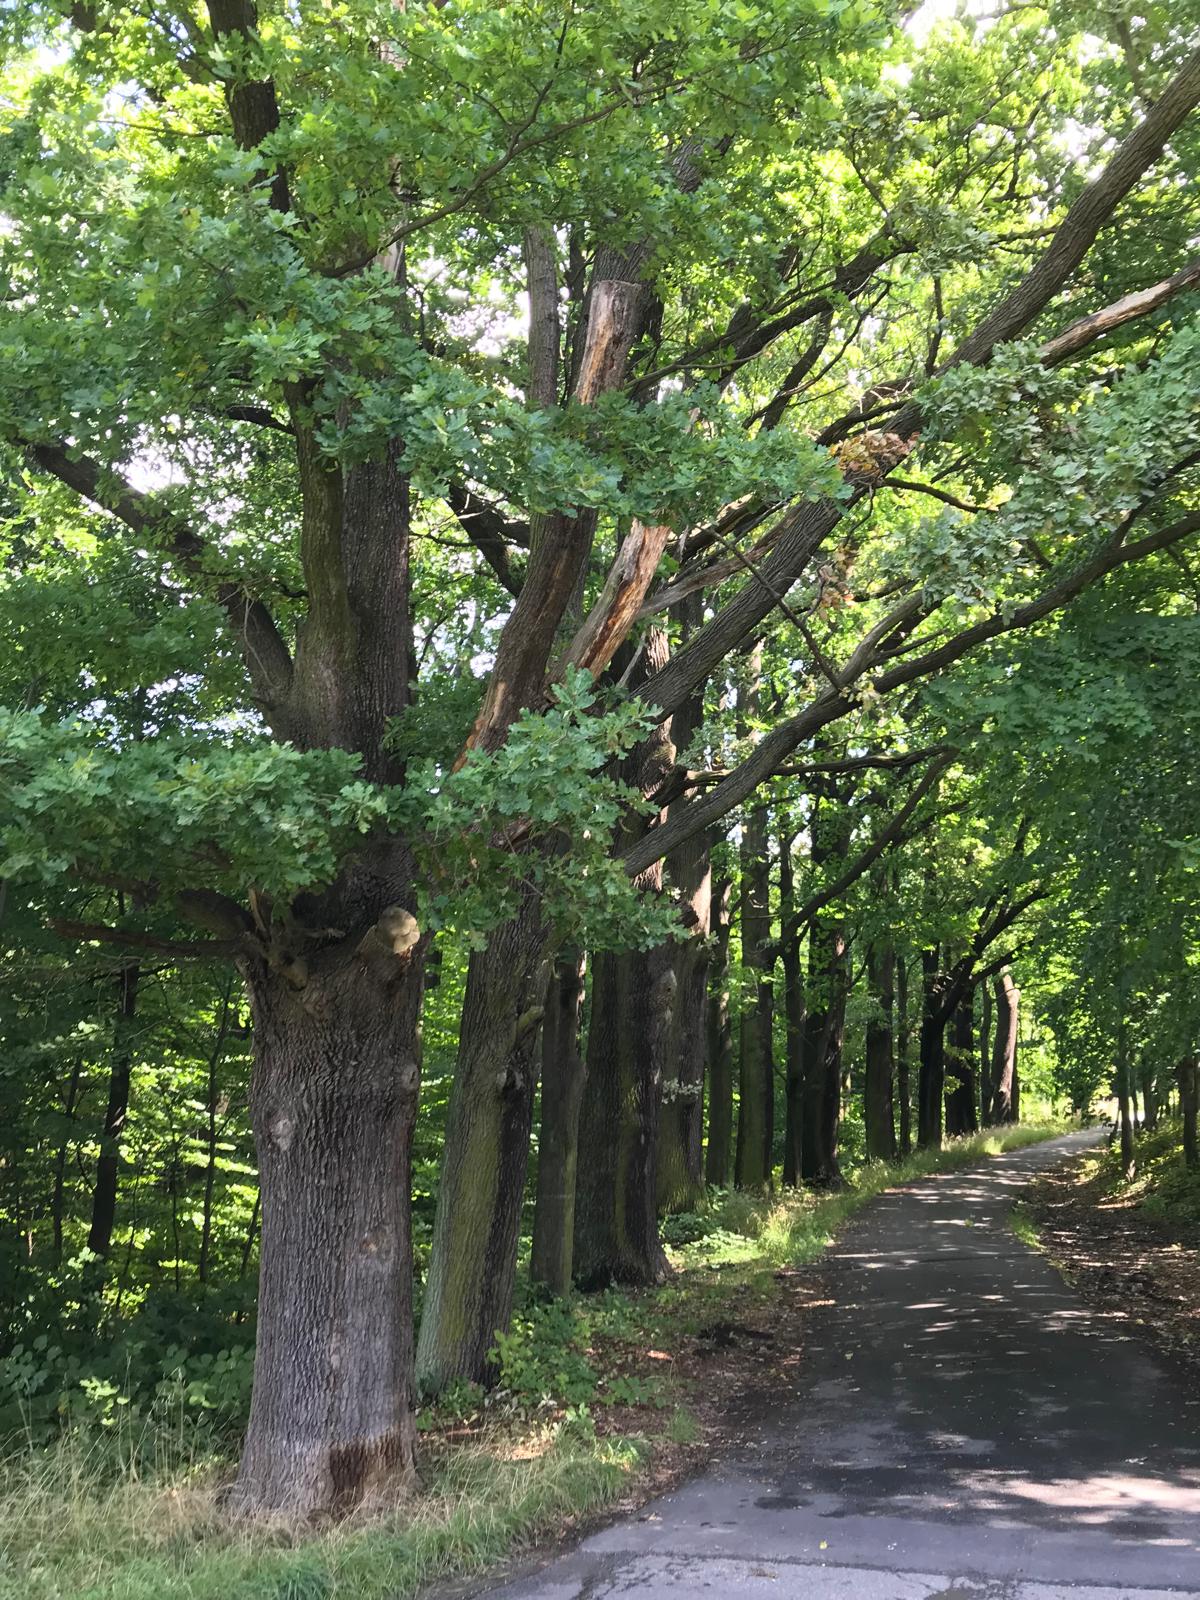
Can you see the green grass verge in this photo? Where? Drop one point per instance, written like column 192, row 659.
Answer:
column 498, row 1472
column 1161, row 1186
column 1022, row 1224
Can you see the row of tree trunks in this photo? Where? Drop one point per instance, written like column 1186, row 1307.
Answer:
column 632, row 1004
column 551, row 1260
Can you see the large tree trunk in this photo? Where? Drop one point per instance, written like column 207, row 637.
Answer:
column 550, row 1261
column 104, row 1198
column 718, row 1154
column 1188, row 1074
column 756, row 1068
column 931, row 1082
column 681, row 1114
column 333, row 1102
column 1004, row 1049
column 823, row 1031
column 793, row 1005
column 961, row 1115
column 476, row 1229
column 903, row 1071
column 689, row 871
column 616, row 1213
column 1149, row 1093
column 629, row 1040
column 985, row 1053
column 878, row 1108
column 58, row 1190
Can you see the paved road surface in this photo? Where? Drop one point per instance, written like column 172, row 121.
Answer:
column 964, row 1429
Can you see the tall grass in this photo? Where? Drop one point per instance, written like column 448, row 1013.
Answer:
column 72, row 1527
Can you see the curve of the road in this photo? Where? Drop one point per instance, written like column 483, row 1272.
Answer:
column 964, row 1428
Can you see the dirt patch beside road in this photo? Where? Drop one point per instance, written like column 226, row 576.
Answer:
column 1124, row 1260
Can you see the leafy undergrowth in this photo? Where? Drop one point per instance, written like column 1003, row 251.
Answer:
column 1130, row 1247
column 601, row 1402
column 1162, row 1187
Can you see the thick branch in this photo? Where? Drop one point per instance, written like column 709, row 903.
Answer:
column 253, row 107
column 619, row 602
column 803, row 529
column 1138, row 304
column 705, row 811
column 488, row 531
column 1077, row 232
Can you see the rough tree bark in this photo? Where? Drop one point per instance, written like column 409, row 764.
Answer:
column 333, row 1102
column 1004, row 1049
column 681, row 1115
column 985, row 1053
column 1149, row 1093
column 823, row 1036
column 550, row 1261
column 616, row 1209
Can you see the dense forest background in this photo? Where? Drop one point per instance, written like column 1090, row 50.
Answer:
column 601, row 608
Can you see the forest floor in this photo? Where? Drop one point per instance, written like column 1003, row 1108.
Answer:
column 962, row 1426
column 1131, row 1250
column 604, row 1403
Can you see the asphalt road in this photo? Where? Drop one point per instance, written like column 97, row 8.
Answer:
column 963, row 1428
